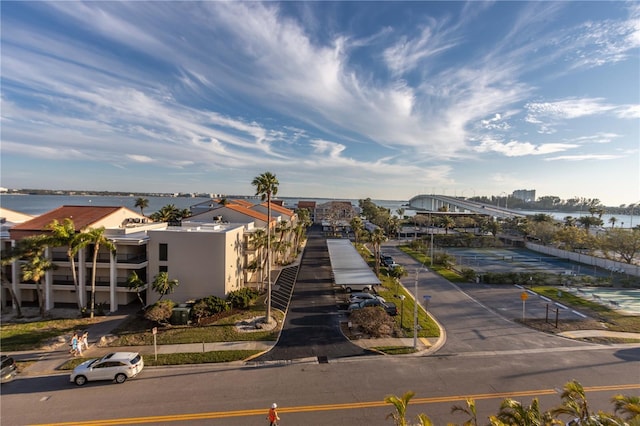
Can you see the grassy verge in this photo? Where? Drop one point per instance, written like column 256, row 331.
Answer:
column 25, row 336
column 181, row 358
column 450, row 275
column 395, row 350
column 426, row 326
column 137, row 331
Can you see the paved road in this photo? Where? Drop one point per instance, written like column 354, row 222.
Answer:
column 477, row 319
column 312, row 323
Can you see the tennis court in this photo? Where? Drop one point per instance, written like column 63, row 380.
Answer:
column 621, row 299
column 514, row 260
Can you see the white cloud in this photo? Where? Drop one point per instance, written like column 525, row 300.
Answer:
column 519, row 149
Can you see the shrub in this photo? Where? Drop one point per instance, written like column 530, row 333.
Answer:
column 160, row 311
column 242, row 298
column 208, row 306
column 374, row 321
column 468, row 274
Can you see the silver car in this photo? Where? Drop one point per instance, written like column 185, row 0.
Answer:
column 118, row 366
column 358, row 297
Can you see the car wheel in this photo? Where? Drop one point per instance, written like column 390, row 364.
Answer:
column 121, row 378
column 80, row 380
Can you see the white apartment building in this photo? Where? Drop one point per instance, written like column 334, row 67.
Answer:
column 208, row 255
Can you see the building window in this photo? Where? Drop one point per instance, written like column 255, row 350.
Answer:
column 164, row 251
column 163, row 268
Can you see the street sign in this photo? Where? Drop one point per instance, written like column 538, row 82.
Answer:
column 154, row 330
column 524, row 296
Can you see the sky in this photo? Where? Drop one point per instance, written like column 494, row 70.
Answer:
column 346, row 100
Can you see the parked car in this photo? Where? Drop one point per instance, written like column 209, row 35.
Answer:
column 357, row 297
column 9, row 369
column 389, row 307
column 118, row 366
column 386, row 260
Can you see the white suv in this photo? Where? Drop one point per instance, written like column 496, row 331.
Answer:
column 118, row 366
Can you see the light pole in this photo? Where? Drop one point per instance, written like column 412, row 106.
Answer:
column 415, row 313
column 402, row 297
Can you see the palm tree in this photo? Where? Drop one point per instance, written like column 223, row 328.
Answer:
column 447, row 223
column 97, row 238
column 163, row 285
column 398, row 272
column 142, row 203
column 266, row 186
column 400, row 404
column 258, row 240
column 613, row 220
column 512, row 412
column 64, row 234
column 36, row 266
column 134, row 282
column 377, row 237
column 470, row 410
column 357, row 227
column 628, row 406
column 574, row 403
column 7, row 258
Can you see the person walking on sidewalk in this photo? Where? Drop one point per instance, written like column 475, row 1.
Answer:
column 84, row 341
column 273, row 415
column 75, row 344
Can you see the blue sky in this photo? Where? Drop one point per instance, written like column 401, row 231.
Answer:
column 385, row 100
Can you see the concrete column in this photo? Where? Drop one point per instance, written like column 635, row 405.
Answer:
column 113, row 282
column 48, row 284
column 82, row 277
column 15, row 278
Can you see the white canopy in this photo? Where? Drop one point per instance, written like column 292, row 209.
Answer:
column 349, row 268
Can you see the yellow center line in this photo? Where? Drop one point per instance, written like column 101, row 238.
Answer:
column 330, row 407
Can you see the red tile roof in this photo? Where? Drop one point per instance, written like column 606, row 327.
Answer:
column 82, row 217
column 279, row 209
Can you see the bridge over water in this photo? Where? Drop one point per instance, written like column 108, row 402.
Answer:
column 431, row 203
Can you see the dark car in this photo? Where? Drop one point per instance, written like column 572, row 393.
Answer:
column 389, row 307
column 9, row 369
column 386, row 260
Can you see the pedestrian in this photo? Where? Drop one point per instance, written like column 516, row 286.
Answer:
column 273, row 415
column 74, row 344
column 84, row 340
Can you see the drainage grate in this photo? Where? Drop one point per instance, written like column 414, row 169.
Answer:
column 323, row 360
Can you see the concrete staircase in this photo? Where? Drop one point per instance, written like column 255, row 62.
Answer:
column 283, row 287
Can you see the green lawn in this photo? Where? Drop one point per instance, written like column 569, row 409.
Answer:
column 22, row 336
column 181, row 358
column 137, row 331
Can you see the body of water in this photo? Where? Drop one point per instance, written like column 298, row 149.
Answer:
column 39, row 204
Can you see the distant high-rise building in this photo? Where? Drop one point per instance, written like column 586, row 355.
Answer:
column 526, row 195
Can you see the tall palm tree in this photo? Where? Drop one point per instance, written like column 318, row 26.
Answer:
column 613, row 220
column 267, row 186
column 64, row 234
column 142, row 203
column 258, row 240
column 447, row 223
column 357, row 227
column 377, row 237
column 97, row 238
